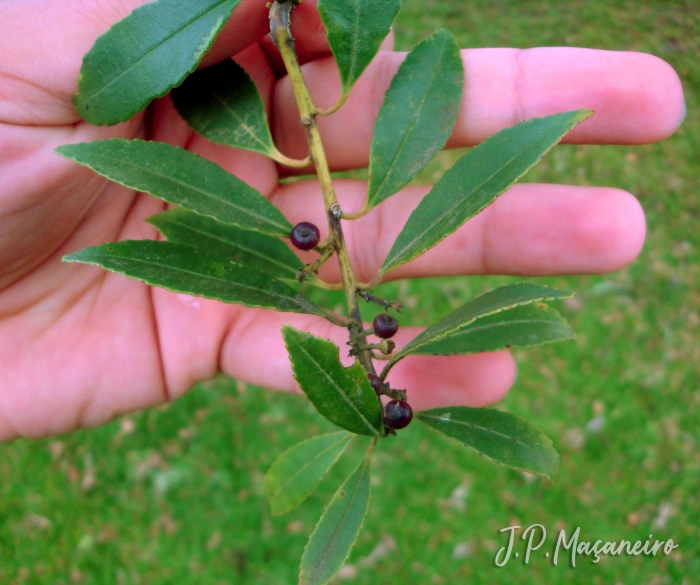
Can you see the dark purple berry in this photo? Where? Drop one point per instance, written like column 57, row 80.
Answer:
column 305, row 236
column 398, row 414
column 385, row 326
column 375, row 382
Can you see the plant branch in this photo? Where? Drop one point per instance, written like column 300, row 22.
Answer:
column 314, row 267
column 280, row 29
column 387, row 304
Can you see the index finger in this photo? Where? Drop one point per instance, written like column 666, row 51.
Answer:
column 637, row 99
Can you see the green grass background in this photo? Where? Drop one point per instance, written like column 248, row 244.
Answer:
column 174, row 495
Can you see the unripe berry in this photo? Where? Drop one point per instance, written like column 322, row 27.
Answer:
column 387, row 346
column 398, row 414
column 375, row 382
column 305, row 236
column 385, row 326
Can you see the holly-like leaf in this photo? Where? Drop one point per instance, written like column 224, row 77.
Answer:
column 182, row 178
column 500, row 299
column 265, row 253
column 185, row 269
column 343, row 395
column 356, row 29
column 500, row 436
column 337, row 530
column 416, row 119
column 222, row 104
column 296, row 473
column 476, row 180
column 145, row 55
column 522, row 326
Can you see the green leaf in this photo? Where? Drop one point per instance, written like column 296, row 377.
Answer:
column 356, row 29
column 184, row 269
column 343, row 395
column 145, row 55
column 416, row 119
column 338, row 529
column 476, row 180
column 265, row 253
column 222, row 104
column 180, row 177
column 500, row 299
column 500, row 436
column 296, row 473
column 519, row 327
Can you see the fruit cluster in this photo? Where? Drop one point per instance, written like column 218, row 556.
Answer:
column 397, row 413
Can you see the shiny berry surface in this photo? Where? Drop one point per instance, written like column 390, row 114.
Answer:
column 385, row 326
column 305, row 236
column 375, row 382
column 398, row 414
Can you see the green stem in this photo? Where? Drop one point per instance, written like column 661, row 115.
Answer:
column 387, row 368
column 293, row 163
column 318, row 283
column 358, row 214
column 279, row 26
column 335, row 107
column 314, row 267
column 335, row 318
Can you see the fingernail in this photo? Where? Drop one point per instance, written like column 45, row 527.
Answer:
column 684, row 114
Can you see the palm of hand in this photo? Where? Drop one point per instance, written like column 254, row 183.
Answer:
column 80, row 346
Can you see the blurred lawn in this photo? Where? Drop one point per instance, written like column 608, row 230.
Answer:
column 174, row 495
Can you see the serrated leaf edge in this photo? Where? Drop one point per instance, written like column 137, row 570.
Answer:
column 267, row 149
column 366, row 460
column 547, row 441
column 198, row 55
column 403, row 353
column 388, row 268
column 279, row 233
column 565, row 323
column 73, row 257
column 348, row 436
column 375, row 432
column 353, row 76
column 371, row 203
column 154, row 220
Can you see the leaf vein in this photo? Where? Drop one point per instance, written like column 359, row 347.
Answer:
column 190, row 186
column 303, row 467
column 411, row 126
column 154, row 48
column 334, row 536
column 339, row 389
column 479, row 427
column 477, row 187
column 204, row 276
column 237, row 245
column 247, row 127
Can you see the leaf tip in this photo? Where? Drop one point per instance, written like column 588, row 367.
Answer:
column 63, row 150
column 79, row 256
column 582, row 115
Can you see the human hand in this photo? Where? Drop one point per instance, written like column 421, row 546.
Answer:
column 79, row 346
